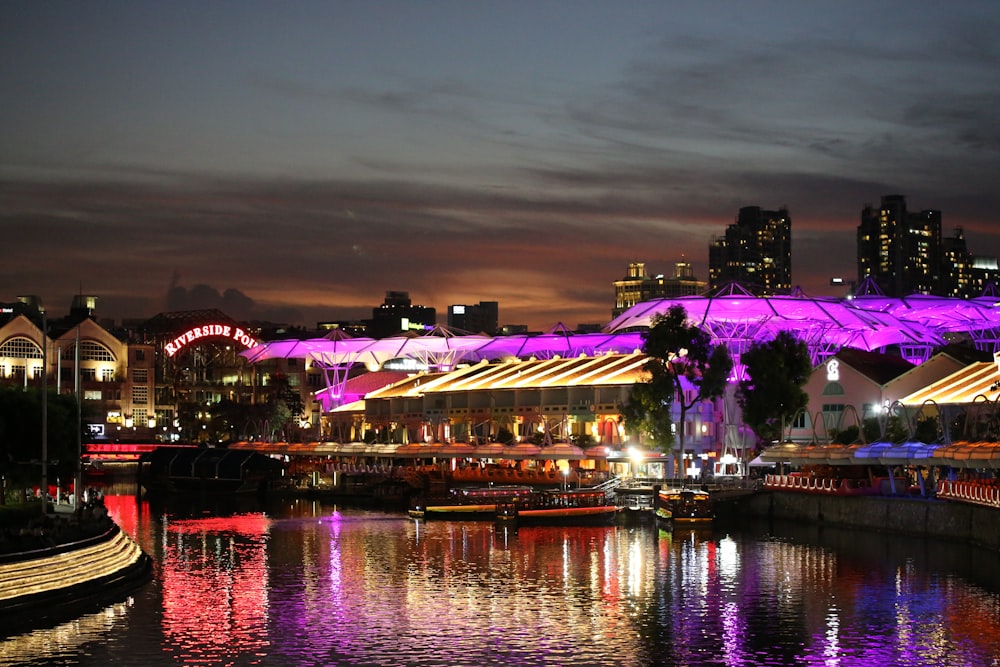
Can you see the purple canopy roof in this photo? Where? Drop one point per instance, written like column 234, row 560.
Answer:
column 869, row 321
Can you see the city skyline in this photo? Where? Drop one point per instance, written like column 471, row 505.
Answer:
column 294, row 163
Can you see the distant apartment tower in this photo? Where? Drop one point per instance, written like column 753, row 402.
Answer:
column 900, row 250
column 963, row 274
column 906, row 253
column 482, row 317
column 756, row 251
column 637, row 286
column 397, row 314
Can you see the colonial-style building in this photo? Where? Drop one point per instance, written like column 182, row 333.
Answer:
column 151, row 382
column 855, row 385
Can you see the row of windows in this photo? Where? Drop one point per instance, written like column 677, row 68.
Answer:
column 89, row 351
column 25, row 348
column 20, row 348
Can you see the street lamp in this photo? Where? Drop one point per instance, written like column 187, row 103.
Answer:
column 636, row 458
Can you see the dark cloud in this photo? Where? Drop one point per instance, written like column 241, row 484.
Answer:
column 307, row 251
column 301, row 183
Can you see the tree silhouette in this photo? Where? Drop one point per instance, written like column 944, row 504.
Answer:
column 684, row 366
column 771, row 393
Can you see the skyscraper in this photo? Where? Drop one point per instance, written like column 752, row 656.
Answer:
column 900, row 250
column 756, row 252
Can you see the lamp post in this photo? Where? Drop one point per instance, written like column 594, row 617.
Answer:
column 45, row 417
column 78, row 476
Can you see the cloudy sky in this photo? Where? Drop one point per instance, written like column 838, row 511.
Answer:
column 294, row 161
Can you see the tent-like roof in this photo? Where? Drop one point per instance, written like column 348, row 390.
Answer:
column 869, row 321
column 824, row 324
column 963, row 386
column 954, row 455
column 610, row 369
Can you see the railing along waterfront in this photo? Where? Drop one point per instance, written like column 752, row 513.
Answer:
column 828, row 485
column 977, row 492
column 985, row 493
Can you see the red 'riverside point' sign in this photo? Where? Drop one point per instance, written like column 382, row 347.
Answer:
column 214, row 330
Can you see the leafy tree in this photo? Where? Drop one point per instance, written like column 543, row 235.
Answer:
column 285, row 406
column 505, row 436
column 872, row 429
column 21, row 435
column 846, row 436
column 227, row 417
column 677, row 351
column 927, row 430
column 771, row 392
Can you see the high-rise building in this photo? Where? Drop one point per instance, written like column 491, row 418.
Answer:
column 899, row 249
column 963, row 274
column 756, row 251
column 479, row 318
column 956, row 268
column 397, row 314
column 637, row 286
column 905, row 253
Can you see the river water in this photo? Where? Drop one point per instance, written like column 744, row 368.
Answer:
column 307, row 583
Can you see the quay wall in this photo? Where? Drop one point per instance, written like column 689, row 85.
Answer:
column 942, row 519
column 55, row 582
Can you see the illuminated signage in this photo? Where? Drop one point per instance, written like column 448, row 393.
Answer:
column 833, row 371
column 404, row 364
column 213, row 331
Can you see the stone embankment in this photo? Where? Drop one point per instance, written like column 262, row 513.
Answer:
column 925, row 517
column 56, row 567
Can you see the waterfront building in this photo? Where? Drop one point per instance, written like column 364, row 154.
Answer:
column 75, row 354
column 541, row 401
column 756, row 252
column 853, row 386
column 154, row 381
column 638, row 286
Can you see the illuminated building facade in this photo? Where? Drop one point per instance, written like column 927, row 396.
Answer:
column 905, row 253
column 397, row 314
column 155, row 382
column 576, row 399
column 638, row 286
column 899, row 249
column 756, row 252
column 963, row 274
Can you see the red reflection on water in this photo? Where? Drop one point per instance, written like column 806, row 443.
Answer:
column 132, row 516
column 214, row 579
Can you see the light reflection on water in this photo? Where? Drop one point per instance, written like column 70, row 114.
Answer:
column 308, row 584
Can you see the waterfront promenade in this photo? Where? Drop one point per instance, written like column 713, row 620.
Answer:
column 58, row 565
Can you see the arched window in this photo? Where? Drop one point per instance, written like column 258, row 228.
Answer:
column 833, row 389
column 89, row 351
column 21, row 348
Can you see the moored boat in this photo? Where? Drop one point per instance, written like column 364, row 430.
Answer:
column 636, row 504
column 467, row 503
column 684, row 506
column 574, row 506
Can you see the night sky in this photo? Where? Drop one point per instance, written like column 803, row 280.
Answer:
column 293, row 161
